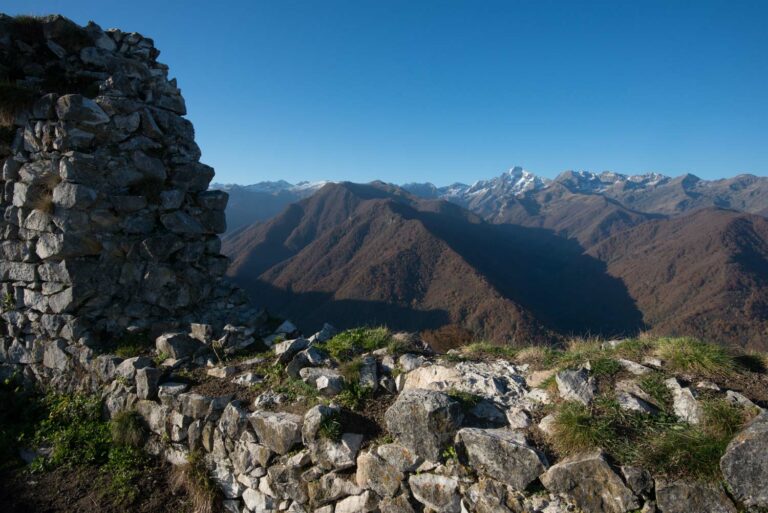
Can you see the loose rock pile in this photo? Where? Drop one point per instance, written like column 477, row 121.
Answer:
column 436, row 451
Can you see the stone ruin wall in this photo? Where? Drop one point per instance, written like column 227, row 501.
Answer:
column 107, row 222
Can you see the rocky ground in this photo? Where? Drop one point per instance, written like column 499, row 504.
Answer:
column 367, row 421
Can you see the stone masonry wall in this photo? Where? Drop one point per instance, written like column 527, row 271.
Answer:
column 107, row 222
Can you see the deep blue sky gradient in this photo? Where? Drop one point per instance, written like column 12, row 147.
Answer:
column 448, row 90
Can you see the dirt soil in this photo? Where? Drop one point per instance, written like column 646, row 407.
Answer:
column 85, row 489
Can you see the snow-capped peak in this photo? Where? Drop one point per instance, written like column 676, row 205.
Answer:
column 514, row 182
column 590, row 182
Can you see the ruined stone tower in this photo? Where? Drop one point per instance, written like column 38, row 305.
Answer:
column 107, row 221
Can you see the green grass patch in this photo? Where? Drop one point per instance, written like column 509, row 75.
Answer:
column 688, row 451
column 604, row 366
column 653, row 385
column 348, row 344
column 578, row 353
column 330, row 428
column 634, row 349
column 689, row 355
column 72, row 429
column 486, row 349
column 659, row 443
column 353, row 396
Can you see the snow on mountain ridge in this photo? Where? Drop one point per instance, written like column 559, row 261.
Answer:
column 272, row 187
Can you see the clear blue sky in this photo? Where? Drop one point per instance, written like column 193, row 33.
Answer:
column 447, row 90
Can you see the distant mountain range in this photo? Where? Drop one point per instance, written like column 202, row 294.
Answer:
column 249, row 204
column 374, row 254
column 519, row 196
column 518, row 257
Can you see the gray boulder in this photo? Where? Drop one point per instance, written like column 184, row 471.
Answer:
column 745, row 463
column 638, row 480
column 327, row 381
column 399, row 504
column 684, row 402
column 177, row 345
column 376, row 474
column 336, row 455
column 286, row 350
column 424, row 421
column 399, row 457
column 128, row 367
column 591, row 483
column 576, row 385
column 279, row 431
column 147, row 380
column 503, row 455
column 692, row 497
column 630, row 402
column 368, row 372
column 363, row 503
column 440, row 493
column 331, row 487
column 80, row 110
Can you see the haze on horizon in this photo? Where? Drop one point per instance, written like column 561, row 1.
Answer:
column 439, row 91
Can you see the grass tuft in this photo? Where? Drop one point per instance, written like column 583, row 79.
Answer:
column 578, row 428
column 330, row 428
column 487, row 349
column 194, row 479
column 659, row 443
column 653, row 385
column 127, row 429
column 537, row 356
column 634, row 349
column 467, row 400
column 687, row 451
column 354, row 396
column 689, row 355
column 604, row 366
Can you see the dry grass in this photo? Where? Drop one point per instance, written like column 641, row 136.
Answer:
column 536, row 356
column 193, row 478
